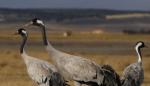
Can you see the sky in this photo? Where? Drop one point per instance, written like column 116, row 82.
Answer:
column 101, row 4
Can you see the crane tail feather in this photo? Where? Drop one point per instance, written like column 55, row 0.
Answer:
column 57, row 80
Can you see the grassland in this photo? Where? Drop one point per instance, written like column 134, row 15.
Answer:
column 114, row 49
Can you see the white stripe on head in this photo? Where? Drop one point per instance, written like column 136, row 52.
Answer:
column 23, row 31
column 138, row 44
column 40, row 22
column 138, row 51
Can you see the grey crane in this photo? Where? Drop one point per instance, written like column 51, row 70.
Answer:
column 133, row 75
column 43, row 73
column 76, row 68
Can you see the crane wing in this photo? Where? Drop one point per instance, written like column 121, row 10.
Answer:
column 111, row 78
column 82, row 69
column 40, row 72
column 133, row 75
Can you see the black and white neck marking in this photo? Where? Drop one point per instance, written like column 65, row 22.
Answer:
column 45, row 41
column 37, row 22
column 24, row 35
column 138, row 47
column 40, row 22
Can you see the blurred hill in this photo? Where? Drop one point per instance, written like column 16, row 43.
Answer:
column 110, row 20
column 60, row 15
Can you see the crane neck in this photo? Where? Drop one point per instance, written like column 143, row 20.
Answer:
column 46, row 43
column 24, row 55
column 138, row 51
column 44, row 35
column 24, row 39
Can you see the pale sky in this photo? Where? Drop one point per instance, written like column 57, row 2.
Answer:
column 109, row 4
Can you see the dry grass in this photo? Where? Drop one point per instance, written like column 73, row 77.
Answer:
column 13, row 70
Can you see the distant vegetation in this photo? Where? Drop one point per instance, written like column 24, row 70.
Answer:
column 136, row 32
column 129, row 15
column 58, row 15
column 129, row 22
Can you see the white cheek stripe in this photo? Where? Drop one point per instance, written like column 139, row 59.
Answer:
column 40, row 22
column 139, row 44
column 24, row 32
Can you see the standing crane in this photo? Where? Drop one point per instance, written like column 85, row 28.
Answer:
column 133, row 75
column 43, row 73
column 76, row 68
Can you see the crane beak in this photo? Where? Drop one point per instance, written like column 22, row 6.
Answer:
column 146, row 46
column 16, row 33
column 28, row 24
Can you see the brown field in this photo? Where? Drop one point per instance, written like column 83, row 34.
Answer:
column 113, row 49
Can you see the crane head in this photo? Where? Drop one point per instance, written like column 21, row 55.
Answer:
column 140, row 44
column 36, row 22
column 21, row 31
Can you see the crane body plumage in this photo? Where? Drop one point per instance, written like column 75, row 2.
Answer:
column 39, row 71
column 82, row 70
column 111, row 78
column 67, row 65
column 133, row 75
column 76, row 68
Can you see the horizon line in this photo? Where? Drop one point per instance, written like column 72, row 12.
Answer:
column 73, row 8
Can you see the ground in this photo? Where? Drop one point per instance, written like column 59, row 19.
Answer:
column 116, row 50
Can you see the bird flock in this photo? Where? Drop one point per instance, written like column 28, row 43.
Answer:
column 82, row 71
